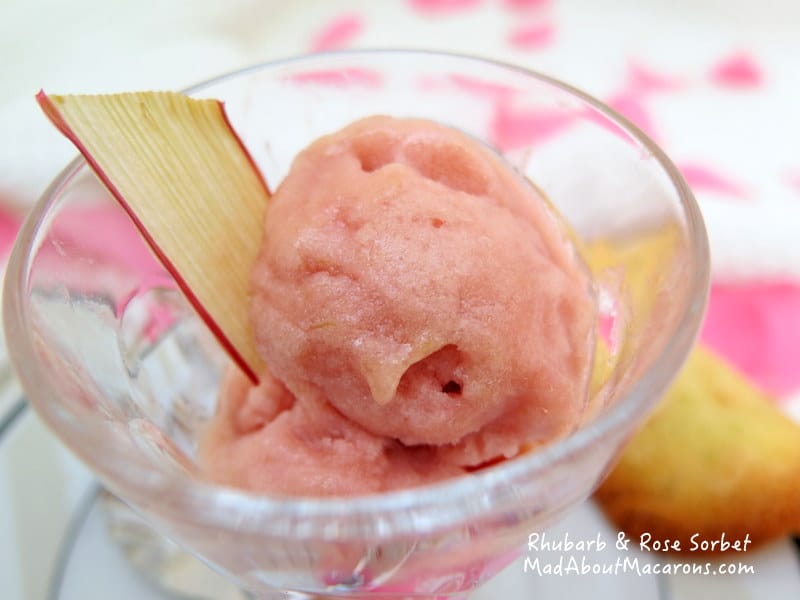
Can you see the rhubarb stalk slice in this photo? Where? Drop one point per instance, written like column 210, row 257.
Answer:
column 179, row 170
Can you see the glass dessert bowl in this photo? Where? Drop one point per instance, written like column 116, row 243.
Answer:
column 119, row 366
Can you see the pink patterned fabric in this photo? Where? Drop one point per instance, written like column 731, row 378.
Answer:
column 532, row 37
column 9, row 225
column 644, row 80
column 526, row 4
column 756, row 326
column 702, row 178
column 482, row 88
column 514, row 127
column 442, row 6
column 737, row 70
column 340, row 77
column 793, row 179
column 338, row 33
column 631, row 104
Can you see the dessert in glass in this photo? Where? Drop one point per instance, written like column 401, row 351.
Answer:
column 118, row 364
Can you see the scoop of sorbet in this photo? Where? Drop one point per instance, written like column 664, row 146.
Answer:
column 421, row 287
column 266, row 440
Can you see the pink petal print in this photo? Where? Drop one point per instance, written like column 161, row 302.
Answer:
column 105, row 234
column 644, row 80
column 526, row 4
column 114, row 256
column 338, row 33
column 514, row 128
column 9, row 225
column 601, row 120
column 339, row 77
column 793, row 179
column 631, row 105
column 756, row 326
column 442, row 6
column 532, row 37
column 738, row 70
column 705, row 179
column 95, row 249
column 478, row 87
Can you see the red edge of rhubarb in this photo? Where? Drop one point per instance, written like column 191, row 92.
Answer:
column 244, row 149
column 52, row 113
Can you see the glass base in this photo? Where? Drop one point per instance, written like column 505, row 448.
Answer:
column 94, row 564
column 173, row 570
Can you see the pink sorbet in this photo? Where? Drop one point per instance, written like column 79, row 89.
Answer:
column 263, row 439
column 422, row 311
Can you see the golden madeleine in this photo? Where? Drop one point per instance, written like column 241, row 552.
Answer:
column 717, row 457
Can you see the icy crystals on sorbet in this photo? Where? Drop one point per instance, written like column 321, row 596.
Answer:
column 423, row 288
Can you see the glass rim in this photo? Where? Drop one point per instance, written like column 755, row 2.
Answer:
column 403, row 512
